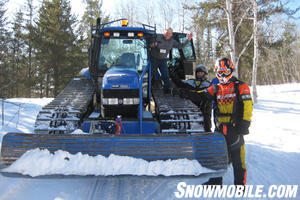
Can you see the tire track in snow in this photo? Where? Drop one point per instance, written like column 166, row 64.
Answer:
column 94, row 187
column 13, row 186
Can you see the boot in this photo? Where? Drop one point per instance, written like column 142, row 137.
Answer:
column 214, row 181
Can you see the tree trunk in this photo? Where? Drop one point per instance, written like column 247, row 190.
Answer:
column 255, row 57
column 3, row 111
column 47, row 84
column 56, row 79
column 231, row 33
column 30, row 49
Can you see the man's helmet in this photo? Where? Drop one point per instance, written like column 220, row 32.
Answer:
column 201, row 68
column 224, row 69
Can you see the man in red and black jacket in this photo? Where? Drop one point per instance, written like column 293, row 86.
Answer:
column 233, row 114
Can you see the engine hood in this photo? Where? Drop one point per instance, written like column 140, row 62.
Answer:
column 120, row 77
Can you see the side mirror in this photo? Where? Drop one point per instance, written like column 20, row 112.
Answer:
column 189, row 69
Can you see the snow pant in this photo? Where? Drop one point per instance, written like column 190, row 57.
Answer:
column 237, row 157
column 239, row 165
column 206, row 107
column 161, row 64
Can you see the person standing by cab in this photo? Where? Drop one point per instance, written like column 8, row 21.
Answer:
column 160, row 48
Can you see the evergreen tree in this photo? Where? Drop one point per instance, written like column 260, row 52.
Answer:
column 280, row 56
column 4, row 81
column 91, row 13
column 232, row 25
column 30, row 81
column 55, row 42
column 16, row 57
column 208, row 17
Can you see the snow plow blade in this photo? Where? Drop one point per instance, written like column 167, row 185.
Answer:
column 209, row 149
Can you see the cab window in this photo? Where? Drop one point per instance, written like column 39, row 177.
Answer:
column 188, row 50
column 122, row 52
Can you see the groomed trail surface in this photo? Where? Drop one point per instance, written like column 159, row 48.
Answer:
column 90, row 188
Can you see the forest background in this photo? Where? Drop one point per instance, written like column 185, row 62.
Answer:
column 41, row 41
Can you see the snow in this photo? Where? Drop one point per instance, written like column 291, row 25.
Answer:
column 20, row 114
column 41, row 162
column 83, row 71
column 272, row 157
column 78, row 131
column 279, row 109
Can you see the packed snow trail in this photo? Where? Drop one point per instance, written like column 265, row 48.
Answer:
column 90, row 187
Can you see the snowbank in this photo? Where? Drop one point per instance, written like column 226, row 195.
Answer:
column 41, row 162
column 20, row 114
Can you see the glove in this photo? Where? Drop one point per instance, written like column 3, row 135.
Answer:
column 194, row 97
column 183, row 93
column 242, row 127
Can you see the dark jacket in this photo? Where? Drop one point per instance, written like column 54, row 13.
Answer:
column 191, row 87
column 164, row 46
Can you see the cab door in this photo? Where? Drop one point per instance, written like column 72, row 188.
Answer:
column 182, row 61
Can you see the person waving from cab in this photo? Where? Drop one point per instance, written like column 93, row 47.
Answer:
column 159, row 51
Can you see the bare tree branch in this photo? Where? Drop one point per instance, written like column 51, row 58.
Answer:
column 241, row 20
column 245, row 47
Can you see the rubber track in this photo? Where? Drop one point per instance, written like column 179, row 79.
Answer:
column 177, row 115
column 73, row 101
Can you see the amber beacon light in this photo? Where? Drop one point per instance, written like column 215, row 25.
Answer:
column 124, row 22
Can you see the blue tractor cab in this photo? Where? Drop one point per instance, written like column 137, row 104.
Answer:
column 119, row 66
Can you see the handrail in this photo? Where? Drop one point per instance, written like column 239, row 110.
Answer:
column 148, row 67
column 111, row 22
column 101, row 26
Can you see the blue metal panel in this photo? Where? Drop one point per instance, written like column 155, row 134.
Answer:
column 141, row 108
column 121, row 75
column 133, row 127
column 128, row 127
column 87, row 74
column 209, row 149
column 85, row 126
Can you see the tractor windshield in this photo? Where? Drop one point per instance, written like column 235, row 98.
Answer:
column 129, row 52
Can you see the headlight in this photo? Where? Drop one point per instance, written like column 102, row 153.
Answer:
column 127, row 101
column 124, row 101
column 130, row 34
column 110, row 101
column 131, row 101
